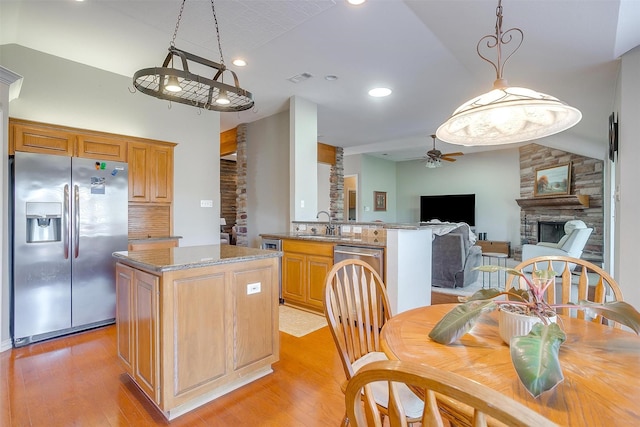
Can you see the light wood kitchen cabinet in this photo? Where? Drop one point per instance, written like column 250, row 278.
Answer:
column 304, row 268
column 102, row 147
column 124, row 323
column 150, row 172
column 194, row 334
column 138, row 327
column 43, row 138
column 148, row 244
column 39, row 138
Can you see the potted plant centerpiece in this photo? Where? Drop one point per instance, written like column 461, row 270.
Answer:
column 535, row 354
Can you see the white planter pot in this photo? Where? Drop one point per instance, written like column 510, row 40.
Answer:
column 514, row 324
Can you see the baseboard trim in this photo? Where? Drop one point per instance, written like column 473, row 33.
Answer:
column 6, row 345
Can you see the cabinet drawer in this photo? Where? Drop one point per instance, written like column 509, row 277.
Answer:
column 309, row 248
column 494, row 246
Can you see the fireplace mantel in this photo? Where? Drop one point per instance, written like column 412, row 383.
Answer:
column 572, row 201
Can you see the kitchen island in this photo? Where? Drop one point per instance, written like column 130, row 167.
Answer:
column 197, row 322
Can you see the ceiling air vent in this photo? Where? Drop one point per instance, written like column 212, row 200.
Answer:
column 300, row 78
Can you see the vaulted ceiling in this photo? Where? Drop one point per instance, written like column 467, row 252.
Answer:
column 424, row 50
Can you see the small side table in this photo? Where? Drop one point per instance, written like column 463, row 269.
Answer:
column 495, row 258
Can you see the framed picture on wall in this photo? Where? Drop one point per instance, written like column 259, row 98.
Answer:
column 553, row 180
column 379, row 201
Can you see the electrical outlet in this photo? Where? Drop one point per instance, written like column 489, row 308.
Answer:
column 253, row 288
column 206, row 203
column 346, row 228
column 357, row 230
column 302, row 227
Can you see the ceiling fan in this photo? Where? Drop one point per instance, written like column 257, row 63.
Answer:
column 435, row 156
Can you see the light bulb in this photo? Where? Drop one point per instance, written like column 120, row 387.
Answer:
column 222, row 99
column 172, row 84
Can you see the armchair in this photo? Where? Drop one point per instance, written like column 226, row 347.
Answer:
column 571, row 244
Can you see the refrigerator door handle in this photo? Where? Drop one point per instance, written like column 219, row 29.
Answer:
column 65, row 220
column 76, row 221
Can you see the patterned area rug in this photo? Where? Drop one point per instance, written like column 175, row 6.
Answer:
column 299, row 322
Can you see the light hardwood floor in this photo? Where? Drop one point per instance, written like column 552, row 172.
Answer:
column 77, row 381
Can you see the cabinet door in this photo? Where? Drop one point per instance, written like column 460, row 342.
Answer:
column 146, row 334
column 293, row 277
column 317, row 269
column 44, row 140
column 102, row 148
column 139, row 184
column 124, row 326
column 161, row 173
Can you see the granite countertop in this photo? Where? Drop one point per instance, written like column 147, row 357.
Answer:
column 154, row 239
column 185, row 257
column 342, row 240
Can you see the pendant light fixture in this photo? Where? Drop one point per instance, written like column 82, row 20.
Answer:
column 506, row 114
column 181, row 85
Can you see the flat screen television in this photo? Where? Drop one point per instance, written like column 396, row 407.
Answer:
column 449, row 208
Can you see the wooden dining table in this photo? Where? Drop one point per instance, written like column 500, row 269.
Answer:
column 601, row 365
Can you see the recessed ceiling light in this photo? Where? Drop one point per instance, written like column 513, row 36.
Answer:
column 379, row 92
column 331, row 77
column 239, row 62
column 356, row 2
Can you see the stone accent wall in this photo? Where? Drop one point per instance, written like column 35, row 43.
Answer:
column 241, row 189
column 228, row 185
column 336, row 187
column 586, row 178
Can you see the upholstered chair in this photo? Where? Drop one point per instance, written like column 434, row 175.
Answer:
column 571, row 244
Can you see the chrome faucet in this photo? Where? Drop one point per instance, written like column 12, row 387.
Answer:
column 330, row 228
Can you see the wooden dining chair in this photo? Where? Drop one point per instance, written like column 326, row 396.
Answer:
column 576, row 280
column 483, row 401
column 356, row 307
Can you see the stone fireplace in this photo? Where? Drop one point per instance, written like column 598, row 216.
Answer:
column 586, row 180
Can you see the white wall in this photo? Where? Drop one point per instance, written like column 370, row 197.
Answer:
column 267, row 177
column 303, row 161
column 628, row 176
column 324, row 188
column 67, row 93
column 376, row 175
column 494, row 177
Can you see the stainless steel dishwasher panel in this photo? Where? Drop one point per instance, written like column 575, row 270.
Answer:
column 372, row 256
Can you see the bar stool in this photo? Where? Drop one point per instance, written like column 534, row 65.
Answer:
column 495, row 258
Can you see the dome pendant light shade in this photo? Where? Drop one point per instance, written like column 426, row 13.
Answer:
column 506, row 115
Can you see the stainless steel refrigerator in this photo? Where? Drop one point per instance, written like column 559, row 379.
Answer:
column 69, row 216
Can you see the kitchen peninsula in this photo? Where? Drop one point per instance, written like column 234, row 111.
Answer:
column 309, row 255
column 194, row 323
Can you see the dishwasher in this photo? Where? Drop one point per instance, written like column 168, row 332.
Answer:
column 275, row 245
column 372, row 256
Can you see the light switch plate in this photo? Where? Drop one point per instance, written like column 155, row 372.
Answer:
column 206, row 203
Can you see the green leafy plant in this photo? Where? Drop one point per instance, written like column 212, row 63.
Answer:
column 536, row 355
